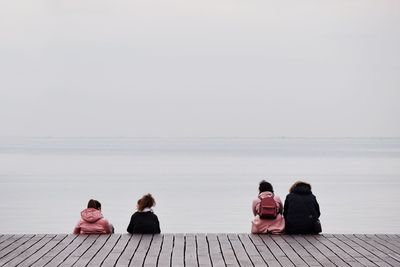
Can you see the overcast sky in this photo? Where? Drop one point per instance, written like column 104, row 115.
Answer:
column 205, row 68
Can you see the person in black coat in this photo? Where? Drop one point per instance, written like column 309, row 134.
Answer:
column 144, row 221
column 301, row 210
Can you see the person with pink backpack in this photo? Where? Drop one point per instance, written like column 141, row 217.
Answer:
column 267, row 211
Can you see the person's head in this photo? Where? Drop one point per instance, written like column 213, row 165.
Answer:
column 146, row 201
column 265, row 186
column 300, row 186
column 94, row 204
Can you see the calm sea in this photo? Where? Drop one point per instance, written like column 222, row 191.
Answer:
column 200, row 185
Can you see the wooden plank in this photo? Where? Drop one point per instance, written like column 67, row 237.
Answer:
column 178, row 251
column 79, row 251
column 350, row 241
column 67, row 251
column 142, row 250
column 386, row 245
column 288, row 250
column 392, row 239
column 103, row 253
column 43, row 250
column 240, row 252
column 276, row 250
column 227, row 250
column 129, row 251
column 315, row 252
column 117, row 251
column 301, row 251
column 251, row 250
column 8, row 242
column 14, row 245
column 347, row 256
column 154, row 251
column 29, row 248
column 352, row 252
column 203, row 253
column 4, row 238
column 331, row 255
column 90, row 253
column 264, row 251
column 16, row 250
column 190, row 250
column 54, row 251
column 377, row 249
column 167, row 245
column 216, row 255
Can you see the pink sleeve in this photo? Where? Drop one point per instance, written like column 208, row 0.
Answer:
column 254, row 206
column 107, row 226
column 77, row 229
column 278, row 200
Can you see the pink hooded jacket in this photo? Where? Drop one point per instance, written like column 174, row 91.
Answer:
column 92, row 222
column 264, row 226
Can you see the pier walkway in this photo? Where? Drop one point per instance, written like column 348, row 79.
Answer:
column 199, row 250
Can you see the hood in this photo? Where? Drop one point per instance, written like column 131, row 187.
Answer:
column 91, row 215
column 266, row 193
column 302, row 189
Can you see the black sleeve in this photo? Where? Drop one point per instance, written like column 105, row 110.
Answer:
column 158, row 224
column 316, row 205
column 285, row 207
column 130, row 226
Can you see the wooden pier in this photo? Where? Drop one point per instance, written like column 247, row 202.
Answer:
column 199, row 250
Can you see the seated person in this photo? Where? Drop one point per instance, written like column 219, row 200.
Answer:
column 144, row 221
column 92, row 221
column 267, row 211
column 301, row 210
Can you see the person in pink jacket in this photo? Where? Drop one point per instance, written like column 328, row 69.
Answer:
column 92, row 221
column 275, row 225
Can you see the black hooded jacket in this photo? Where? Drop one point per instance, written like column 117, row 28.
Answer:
column 144, row 223
column 301, row 210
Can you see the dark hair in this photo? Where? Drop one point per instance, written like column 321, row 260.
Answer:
column 147, row 201
column 265, row 186
column 94, row 204
column 300, row 185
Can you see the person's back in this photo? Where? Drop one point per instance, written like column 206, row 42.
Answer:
column 144, row 221
column 273, row 222
column 301, row 210
column 92, row 220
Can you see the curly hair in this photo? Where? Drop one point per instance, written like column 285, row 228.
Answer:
column 147, row 201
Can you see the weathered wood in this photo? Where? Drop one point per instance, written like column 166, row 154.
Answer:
column 89, row 254
column 28, row 249
column 67, row 250
column 55, row 251
column 178, row 250
column 227, row 250
column 276, row 250
column 39, row 254
column 203, row 252
column 190, row 250
column 240, row 253
column 103, row 252
column 117, row 251
column 164, row 258
column 216, row 256
column 129, row 250
column 154, row 251
column 142, row 250
column 264, row 251
column 199, row 250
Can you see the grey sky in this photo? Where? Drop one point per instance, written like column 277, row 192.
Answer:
column 174, row 68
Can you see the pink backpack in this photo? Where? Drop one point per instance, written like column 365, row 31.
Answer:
column 268, row 208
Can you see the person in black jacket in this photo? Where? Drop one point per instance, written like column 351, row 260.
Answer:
column 301, row 210
column 144, row 221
